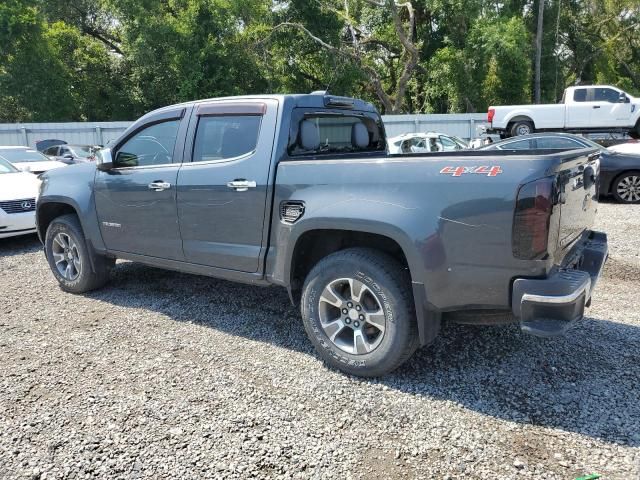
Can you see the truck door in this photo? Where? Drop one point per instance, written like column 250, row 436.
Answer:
column 578, row 109
column 136, row 199
column 222, row 189
column 608, row 111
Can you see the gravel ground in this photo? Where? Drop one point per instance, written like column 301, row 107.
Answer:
column 163, row 375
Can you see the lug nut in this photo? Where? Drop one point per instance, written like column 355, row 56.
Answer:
column 350, row 305
column 358, row 307
column 356, row 324
column 345, row 311
column 361, row 317
column 347, row 321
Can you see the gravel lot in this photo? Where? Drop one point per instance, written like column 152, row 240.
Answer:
column 163, row 375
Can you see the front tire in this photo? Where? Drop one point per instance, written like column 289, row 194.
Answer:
column 626, row 187
column 74, row 266
column 358, row 311
column 522, row 127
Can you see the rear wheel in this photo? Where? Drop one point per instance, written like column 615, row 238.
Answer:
column 358, row 311
column 635, row 132
column 74, row 266
column 626, row 188
column 521, row 127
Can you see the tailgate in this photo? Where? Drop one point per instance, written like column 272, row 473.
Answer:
column 577, row 198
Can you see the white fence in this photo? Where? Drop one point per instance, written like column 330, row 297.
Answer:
column 101, row 133
column 81, row 133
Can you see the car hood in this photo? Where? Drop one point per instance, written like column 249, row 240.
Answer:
column 16, row 186
column 38, row 166
column 626, row 148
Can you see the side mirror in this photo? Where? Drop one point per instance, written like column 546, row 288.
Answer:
column 622, row 98
column 104, row 161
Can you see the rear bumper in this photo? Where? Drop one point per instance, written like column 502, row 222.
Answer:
column 550, row 306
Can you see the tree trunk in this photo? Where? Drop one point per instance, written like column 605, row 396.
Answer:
column 536, row 86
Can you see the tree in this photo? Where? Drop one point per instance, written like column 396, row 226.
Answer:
column 386, row 53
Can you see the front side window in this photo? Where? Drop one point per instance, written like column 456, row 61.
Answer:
column 557, row 143
column 606, row 95
column 152, row 145
column 226, row 136
column 53, row 151
column 325, row 133
column 580, row 95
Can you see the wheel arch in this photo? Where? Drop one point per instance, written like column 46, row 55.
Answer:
column 312, row 244
column 49, row 211
column 520, row 118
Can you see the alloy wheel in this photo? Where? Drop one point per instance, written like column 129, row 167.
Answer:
column 628, row 188
column 66, row 256
column 352, row 316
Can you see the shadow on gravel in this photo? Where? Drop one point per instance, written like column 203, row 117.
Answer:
column 587, row 382
column 12, row 246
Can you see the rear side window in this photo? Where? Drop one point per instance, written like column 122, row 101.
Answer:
column 580, row 95
column 325, row 133
column 224, row 137
column 551, row 143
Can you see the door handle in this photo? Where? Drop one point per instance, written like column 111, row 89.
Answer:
column 159, row 186
column 241, row 185
column 596, row 106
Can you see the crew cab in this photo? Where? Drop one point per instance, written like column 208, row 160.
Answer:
column 299, row 191
column 583, row 109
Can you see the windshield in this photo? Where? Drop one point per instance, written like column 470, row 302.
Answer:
column 23, row 156
column 6, row 167
column 81, row 151
column 591, row 143
column 460, row 142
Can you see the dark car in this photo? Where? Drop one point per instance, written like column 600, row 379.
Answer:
column 42, row 145
column 299, row 191
column 71, row 154
column 619, row 172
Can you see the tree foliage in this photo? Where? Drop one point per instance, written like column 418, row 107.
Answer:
column 64, row 60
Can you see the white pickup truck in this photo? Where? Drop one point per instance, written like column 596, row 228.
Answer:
column 585, row 109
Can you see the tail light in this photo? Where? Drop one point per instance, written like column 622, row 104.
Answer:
column 491, row 114
column 534, row 206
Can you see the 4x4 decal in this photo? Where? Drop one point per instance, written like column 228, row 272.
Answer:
column 483, row 170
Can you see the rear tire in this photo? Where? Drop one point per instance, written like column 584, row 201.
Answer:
column 522, row 127
column 358, row 311
column 635, row 132
column 69, row 258
column 626, row 187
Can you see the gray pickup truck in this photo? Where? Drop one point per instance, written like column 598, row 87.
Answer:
column 298, row 191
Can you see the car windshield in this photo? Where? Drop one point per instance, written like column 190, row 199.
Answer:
column 591, row 143
column 6, row 167
column 460, row 141
column 19, row 156
column 81, row 150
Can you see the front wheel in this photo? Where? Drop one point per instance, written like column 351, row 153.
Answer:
column 626, row 188
column 69, row 258
column 358, row 311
